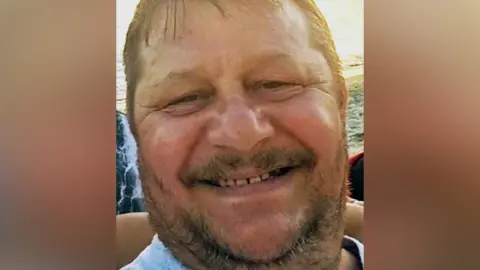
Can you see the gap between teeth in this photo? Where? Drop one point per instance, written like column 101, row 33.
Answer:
column 242, row 182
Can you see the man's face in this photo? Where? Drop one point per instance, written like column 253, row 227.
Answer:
column 241, row 143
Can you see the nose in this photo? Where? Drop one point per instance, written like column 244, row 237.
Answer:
column 239, row 127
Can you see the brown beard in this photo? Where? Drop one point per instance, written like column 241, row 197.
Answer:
column 189, row 236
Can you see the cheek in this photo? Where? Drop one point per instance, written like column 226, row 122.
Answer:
column 165, row 144
column 313, row 119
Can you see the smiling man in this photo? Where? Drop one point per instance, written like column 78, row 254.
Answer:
column 239, row 109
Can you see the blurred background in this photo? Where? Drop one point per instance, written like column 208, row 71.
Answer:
column 345, row 18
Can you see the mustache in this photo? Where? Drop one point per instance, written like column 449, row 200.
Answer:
column 219, row 166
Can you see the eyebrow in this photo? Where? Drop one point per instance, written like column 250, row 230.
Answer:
column 180, row 75
column 176, row 76
column 308, row 69
column 259, row 61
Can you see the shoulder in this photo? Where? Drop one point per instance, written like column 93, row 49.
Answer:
column 133, row 234
column 155, row 256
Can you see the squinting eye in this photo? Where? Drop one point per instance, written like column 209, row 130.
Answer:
column 269, row 85
column 277, row 90
column 186, row 99
column 188, row 104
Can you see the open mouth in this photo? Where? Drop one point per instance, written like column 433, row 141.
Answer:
column 269, row 176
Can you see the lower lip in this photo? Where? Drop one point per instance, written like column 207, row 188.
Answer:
column 255, row 189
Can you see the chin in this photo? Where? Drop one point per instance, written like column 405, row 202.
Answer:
column 263, row 240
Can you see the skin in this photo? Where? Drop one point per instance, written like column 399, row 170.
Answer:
column 211, row 105
column 134, row 233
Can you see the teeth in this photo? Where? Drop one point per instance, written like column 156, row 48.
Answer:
column 255, row 180
column 241, row 182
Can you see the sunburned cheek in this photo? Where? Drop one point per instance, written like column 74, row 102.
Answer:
column 314, row 120
column 165, row 146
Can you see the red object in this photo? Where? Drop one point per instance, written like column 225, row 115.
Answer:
column 354, row 158
column 356, row 176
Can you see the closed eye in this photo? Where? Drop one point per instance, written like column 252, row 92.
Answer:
column 186, row 99
column 271, row 85
column 188, row 104
column 276, row 90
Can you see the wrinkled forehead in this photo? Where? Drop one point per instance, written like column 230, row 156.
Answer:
column 221, row 35
column 195, row 24
column 173, row 20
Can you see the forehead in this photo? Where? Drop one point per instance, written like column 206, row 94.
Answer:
column 221, row 37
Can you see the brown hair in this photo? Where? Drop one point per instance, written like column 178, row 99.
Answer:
column 140, row 27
